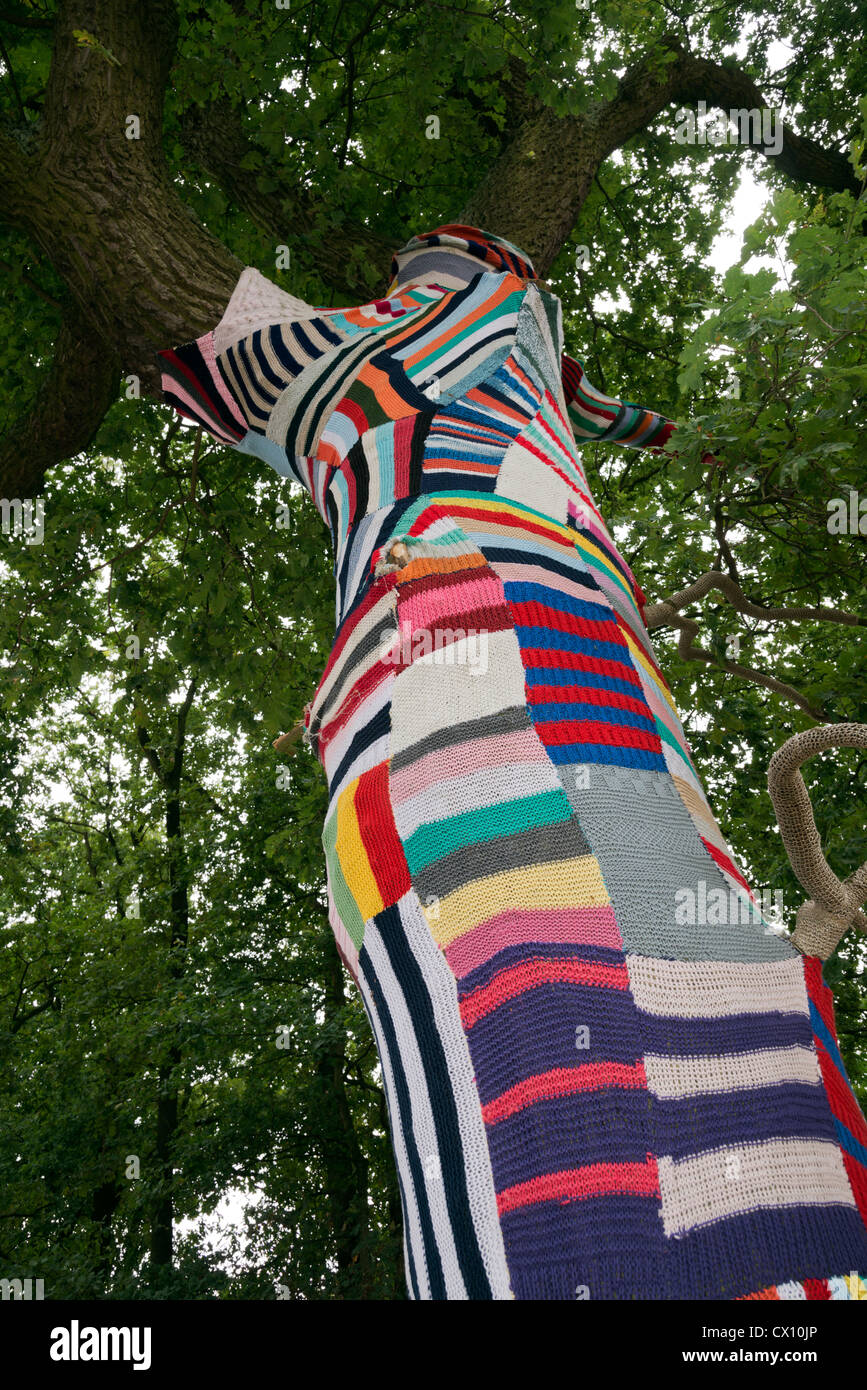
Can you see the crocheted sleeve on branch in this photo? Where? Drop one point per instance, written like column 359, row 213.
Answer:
column 605, row 419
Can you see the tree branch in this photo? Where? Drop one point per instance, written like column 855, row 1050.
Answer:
column 525, row 196
column 833, row 906
column 667, row 614
column 78, row 388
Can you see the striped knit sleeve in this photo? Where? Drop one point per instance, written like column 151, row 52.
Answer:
column 192, row 383
column 602, row 418
column 229, row 379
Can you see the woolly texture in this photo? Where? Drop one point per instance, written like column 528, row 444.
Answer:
column 607, row 1076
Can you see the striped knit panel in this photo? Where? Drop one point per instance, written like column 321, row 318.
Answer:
column 469, row 438
column 384, row 381
column 616, row 803
column 754, row 1190
column 838, row 1288
column 849, row 1123
column 437, row 251
column 454, row 1244
column 516, row 903
column 581, row 686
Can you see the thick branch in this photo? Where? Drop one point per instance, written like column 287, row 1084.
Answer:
column 662, row 614
column 214, row 138
column 77, row 390
column 667, row 614
column 834, row 906
column 525, row 195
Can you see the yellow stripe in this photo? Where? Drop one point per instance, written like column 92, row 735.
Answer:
column 639, row 656
column 353, row 856
column 568, row 883
column 555, row 528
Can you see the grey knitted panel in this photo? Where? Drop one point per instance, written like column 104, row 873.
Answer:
column 541, row 844
column 649, row 851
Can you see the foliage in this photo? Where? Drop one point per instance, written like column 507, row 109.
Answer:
column 170, row 568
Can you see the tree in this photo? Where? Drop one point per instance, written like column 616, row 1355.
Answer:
column 177, row 609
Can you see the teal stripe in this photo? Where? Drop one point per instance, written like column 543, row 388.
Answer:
column 439, row 838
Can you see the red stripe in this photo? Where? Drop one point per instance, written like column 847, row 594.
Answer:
column 564, row 1081
column 533, row 974
column 535, row 614
column 588, row 694
column 580, row 661
column 353, row 411
column 557, row 732
column 379, row 834
column 819, row 992
column 816, row 1289
column 230, row 432
column 576, row 1184
column 726, row 864
column 350, row 700
column 380, row 585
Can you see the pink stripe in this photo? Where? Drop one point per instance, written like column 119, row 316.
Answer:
column 536, row 574
column 574, row 1184
column 201, row 411
column 536, row 974
column 423, row 608
column 583, row 926
column 564, row 1081
column 474, row 755
column 206, row 348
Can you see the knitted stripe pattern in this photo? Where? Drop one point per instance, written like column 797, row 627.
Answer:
column 607, row 1075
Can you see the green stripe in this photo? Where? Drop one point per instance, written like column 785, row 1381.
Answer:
column 347, row 908
column 667, row 737
column 439, row 838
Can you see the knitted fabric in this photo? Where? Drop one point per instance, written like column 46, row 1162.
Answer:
column 607, row 1076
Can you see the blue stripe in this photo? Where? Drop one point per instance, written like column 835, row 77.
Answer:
column 605, row 753
column 522, row 591
column 723, row 1119
column 571, row 676
column 552, row 641
column 717, row 1037
column 847, row 1141
column 825, row 1037
column 603, row 714
column 536, row 1032
column 608, row 1125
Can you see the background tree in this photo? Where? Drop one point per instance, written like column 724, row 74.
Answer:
column 174, row 1020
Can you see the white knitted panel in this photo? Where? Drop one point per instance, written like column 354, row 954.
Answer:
column 717, row 989
column 256, row 302
column 708, row 1187
column 673, row 1078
